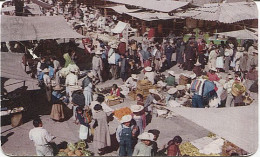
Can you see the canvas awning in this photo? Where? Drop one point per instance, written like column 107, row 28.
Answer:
column 120, row 27
column 121, row 9
column 12, row 66
column 42, row 4
column 7, row 9
column 224, row 12
column 33, row 8
column 240, row 34
column 147, row 16
column 157, row 5
column 19, row 28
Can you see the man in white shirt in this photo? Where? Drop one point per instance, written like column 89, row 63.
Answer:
column 41, row 138
column 71, row 82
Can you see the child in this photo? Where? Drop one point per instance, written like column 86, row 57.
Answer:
column 140, row 99
column 124, row 134
column 115, row 91
column 173, row 147
column 154, row 145
column 144, row 148
column 84, row 124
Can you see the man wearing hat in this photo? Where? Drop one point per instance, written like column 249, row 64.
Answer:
column 149, row 75
column 144, row 148
column 171, row 95
column 139, row 117
column 253, row 59
column 213, row 57
column 97, row 65
column 228, row 54
column 131, row 82
column 170, row 80
column 168, row 51
column 124, row 135
column 228, row 88
column 112, row 60
column 71, row 81
column 87, row 85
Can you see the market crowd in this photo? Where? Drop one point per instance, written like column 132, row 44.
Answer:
column 213, row 75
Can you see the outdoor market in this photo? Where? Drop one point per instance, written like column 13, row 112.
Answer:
column 129, row 77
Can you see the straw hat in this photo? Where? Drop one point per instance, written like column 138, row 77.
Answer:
column 240, row 48
column 126, row 118
column 148, row 68
column 134, row 76
column 90, row 75
column 153, row 91
column 123, row 40
column 180, row 87
column 136, row 108
column 46, row 70
column 171, row 73
column 213, row 69
column 58, row 87
column 114, row 46
column 172, row 90
column 230, row 76
column 146, row 136
column 98, row 52
column 193, row 76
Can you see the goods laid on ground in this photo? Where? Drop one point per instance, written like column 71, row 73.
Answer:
column 77, row 149
column 113, row 100
column 187, row 148
column 229, row 148
column 121, row 112
column 238, row 88
column 142, row 87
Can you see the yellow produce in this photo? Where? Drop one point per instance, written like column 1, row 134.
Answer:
column 70, row 153
column 121, row 112
column 78, row 153
column 188, row 149
column 67, row 150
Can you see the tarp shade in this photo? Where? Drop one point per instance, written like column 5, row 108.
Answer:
column 33, row 8
column 158, row 5
column 120, row 27
column 42, row 4
column 12, row 66
column 18, row 28
column 147, row 16
column 224, row 12
column 122, row 9
column 7, row 9
column 240, row 34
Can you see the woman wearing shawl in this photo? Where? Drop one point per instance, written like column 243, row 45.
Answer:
column 68, row 59
column 87, row 86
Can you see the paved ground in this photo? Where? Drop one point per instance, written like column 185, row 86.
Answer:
column 238, row 125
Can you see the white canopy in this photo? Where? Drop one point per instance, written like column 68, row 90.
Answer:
column 158, row 5
column 148, row 16
column 240, row 34
column 224, row 12
column 120, row 27
column 19, row 28
column 121, row 9
column 12, row 66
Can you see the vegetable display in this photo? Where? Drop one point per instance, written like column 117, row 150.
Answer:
column 77, row 149
column 121, row 112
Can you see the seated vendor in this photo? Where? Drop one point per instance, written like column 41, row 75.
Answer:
column 149, row 75
column 212, row 75
column 115, row 91
column 131, row 82
column 170, row 80
column 171, row 95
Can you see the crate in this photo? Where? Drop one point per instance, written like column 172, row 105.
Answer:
column 115, row 102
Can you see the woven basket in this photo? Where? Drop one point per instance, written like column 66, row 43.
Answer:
column 235, row 91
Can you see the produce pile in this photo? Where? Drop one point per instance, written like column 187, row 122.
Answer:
column 121, row 112
column 187, row 148
column 77, row 149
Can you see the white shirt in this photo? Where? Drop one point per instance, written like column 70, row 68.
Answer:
column 40, row 136
column 131, row 83
column 56, row 65
column 71, row 79
column 228, row 86
column 150, row 76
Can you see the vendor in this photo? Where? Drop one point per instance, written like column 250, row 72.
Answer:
column 212, row 75
column 131, row 82
column 140, row 99
column 170, row 80
column 173, row 146
column 138, row 116
column 171, row 95
column 228, row 88
column 115, row 91
column 149, row 75
column 71, row 81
